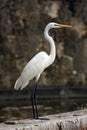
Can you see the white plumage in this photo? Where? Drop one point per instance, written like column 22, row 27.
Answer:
column 40, row 61
column 33, row 69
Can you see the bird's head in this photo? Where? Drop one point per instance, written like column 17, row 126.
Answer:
column 56, row 25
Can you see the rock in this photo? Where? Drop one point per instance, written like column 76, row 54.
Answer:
column 76, row 120
column 21, row 32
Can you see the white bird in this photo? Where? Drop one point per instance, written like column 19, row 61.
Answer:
column 40, row 61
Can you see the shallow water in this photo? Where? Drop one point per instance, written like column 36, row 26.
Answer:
column 17, row 105
column 45, row 107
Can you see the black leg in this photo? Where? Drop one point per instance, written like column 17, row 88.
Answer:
column 35, row 102
column 32, row 103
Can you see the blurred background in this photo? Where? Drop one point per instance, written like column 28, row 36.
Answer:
column 63, row 86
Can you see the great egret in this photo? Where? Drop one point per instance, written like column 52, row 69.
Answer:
column 38, row 64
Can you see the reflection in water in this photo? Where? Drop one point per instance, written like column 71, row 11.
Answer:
column 45, row 107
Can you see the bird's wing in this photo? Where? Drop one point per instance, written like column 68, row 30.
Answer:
column 36, row 65
column 33, row 69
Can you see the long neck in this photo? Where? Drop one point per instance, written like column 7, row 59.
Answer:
column 52, row 54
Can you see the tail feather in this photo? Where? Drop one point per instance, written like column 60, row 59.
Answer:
column 20, row 84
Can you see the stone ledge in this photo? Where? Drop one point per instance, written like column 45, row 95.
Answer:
column 76, row 120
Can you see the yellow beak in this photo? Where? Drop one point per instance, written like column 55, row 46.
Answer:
column 64, row 26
